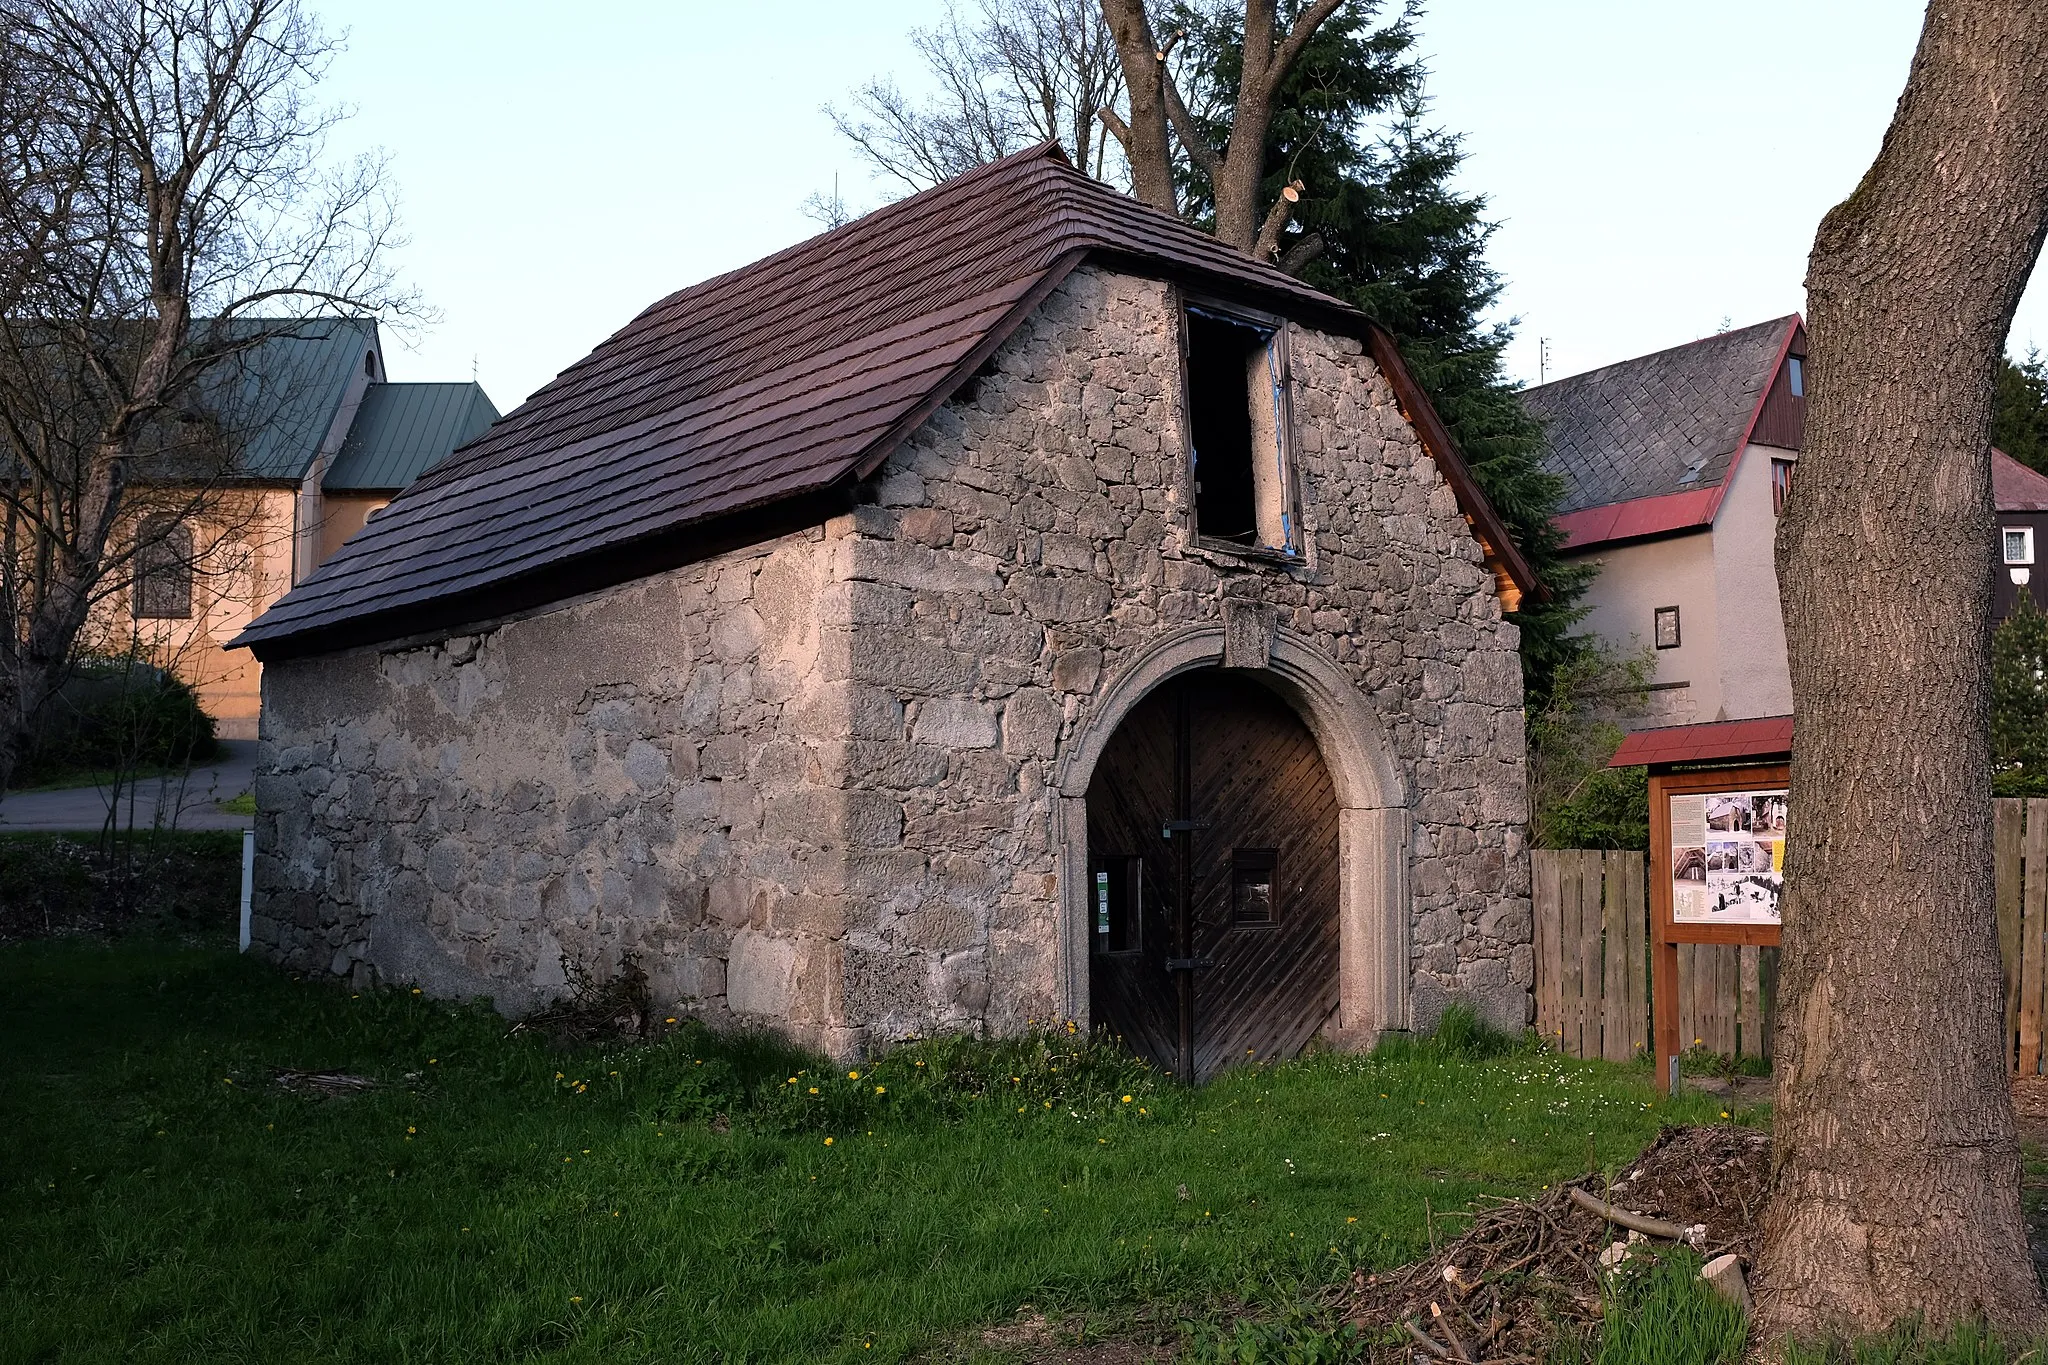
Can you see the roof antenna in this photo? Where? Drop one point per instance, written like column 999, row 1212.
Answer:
column 472, row 367
column 1542, row 359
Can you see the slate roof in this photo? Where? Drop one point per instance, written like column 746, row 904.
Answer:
column 285, row 391
column 2014, row 487
column 400, row 431
column 1665, row 423
column 785, row 380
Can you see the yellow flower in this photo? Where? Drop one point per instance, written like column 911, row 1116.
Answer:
column 432, row 1060
column 575, row 1298
column 558, row 1075
column 1142, row 1109
column 410, row 1129
column 883, row 1090
column 814, row 1090
column 1350, row 1220
column 1724, row 1113
column 1127, row 1099
column 415, row 990
column 853, row 1075
column 790, row 1081
column 828, row 1142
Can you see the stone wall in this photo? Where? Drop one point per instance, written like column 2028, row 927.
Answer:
column 813, row 783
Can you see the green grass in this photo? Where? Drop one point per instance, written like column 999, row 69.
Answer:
column 496, row 1199
column 245, row 804
column 1663, row 1314
column 1909, row 1345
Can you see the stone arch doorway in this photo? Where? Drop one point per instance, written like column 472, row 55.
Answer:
column 1213, row 840
column 1372, row 953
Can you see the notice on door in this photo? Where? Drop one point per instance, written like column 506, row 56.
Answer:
column 1727, row 857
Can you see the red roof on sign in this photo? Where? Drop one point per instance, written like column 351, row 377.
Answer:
column 1763, row 737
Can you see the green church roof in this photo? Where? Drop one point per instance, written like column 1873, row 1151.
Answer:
column 403, row 430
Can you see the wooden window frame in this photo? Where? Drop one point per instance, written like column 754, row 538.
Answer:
column 1295, row 554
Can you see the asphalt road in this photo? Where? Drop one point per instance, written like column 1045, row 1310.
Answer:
column 193, row 801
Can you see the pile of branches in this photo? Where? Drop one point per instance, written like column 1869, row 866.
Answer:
column 1528, row 1274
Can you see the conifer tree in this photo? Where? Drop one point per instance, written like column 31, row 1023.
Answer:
column 2019, row 701
column 1380, row 225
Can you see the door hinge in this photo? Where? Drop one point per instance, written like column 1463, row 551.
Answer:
column 1188, row 964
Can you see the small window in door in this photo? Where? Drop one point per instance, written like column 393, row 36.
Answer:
column 1251, row 885
column 1116, row 892
column 1237, row 425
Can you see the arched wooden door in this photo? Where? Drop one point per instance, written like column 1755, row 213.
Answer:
column 1212, row 845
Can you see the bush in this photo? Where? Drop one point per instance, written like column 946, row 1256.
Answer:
column 181, row 881
column 117, row 715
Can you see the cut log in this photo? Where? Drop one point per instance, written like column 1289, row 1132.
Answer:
column 1649, row 1227
column 1724, row 1274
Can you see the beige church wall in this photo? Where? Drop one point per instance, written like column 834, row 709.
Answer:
column 1756, row 679
column 242, row 540
column 341, row 516
column 1636, row 579
column 827, row 783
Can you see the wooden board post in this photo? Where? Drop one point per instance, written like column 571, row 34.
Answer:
column 1725, row 984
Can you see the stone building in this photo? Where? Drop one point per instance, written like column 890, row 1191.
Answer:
column 854, row 644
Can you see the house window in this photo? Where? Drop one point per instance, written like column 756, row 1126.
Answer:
column 1781, row 483
column 2018, row 544
column 163, row 570
column 1667, row 628
column 1118, row 887
column 1237, row 420
column 1795, row 374
column 370, row 364
column 1251, row 885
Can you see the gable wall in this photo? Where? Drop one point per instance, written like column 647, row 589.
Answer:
column 811, row 783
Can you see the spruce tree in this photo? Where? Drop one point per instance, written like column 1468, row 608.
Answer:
column 1381, row 226
column 2019, row 411
column 2019, row 701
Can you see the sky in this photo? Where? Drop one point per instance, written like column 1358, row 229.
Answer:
column 1655, row 169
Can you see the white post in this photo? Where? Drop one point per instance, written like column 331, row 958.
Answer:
column 248, row 880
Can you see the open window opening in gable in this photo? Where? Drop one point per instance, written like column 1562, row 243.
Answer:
column 1238, row 427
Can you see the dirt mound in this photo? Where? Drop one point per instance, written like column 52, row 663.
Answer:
column 1527, row 1271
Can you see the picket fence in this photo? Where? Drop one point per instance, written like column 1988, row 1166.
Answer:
column 1593, row 959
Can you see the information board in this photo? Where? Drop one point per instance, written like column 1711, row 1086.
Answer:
column 1727, row 856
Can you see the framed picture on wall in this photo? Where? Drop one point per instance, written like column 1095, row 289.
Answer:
column 1667, row 627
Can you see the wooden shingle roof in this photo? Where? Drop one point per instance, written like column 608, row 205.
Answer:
column 741, row 406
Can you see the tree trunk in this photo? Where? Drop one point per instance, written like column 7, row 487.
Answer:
column 1896, row 1187
column 1145, row 141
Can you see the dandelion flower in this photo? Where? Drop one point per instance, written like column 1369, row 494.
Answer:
column 1350, row 1220
column 669, row 1020
column 883, row 1090
column 1143, row 1110
column 853, row 1075
column 432, row 1060
column 828, row 1142
column 814, row 1090
column 1127, row 1099
column 1724, row 1113
column 790, row 1081
column 410, row 1129
column 415, row 990
column 575, row 1298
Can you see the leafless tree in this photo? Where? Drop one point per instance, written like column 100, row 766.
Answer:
column 1016, row 73
column 1237, row 170
column 166, row 208
column 1896, row 1190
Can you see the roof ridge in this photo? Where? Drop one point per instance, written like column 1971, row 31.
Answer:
column 1720, row 337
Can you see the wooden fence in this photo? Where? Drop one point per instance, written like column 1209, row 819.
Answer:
column 1593, row 958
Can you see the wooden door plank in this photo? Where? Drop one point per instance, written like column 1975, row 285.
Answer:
column 1636, row 913
column 2005, row 861
column 1543, row 878
column 1767, row 974
column 1688, row 984
column 2033, row 913
column 1589, row 952
column 1750, row 1021
column 1613, row 959
column 1569, row 928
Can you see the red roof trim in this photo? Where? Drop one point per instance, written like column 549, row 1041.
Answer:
column 1637, row 518
column 1763, row 737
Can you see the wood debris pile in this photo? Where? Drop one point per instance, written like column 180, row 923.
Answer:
column 1526, row 1273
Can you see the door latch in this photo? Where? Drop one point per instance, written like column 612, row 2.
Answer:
column 1166, row 830
column 1188, row 964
